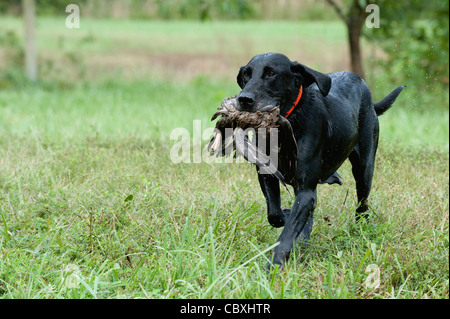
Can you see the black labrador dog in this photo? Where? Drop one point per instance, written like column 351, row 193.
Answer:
column 333, row 118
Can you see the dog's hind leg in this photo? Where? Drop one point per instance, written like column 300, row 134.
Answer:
column 333, row 179
column 362, row 159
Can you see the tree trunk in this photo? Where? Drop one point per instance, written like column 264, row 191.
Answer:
column 355, row 21
column 30, row 43
column 355, row 51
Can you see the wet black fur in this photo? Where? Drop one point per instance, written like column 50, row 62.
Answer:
column 335, row 119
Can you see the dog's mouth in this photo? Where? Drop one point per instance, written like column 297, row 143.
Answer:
column 267, row 118
column 246, row 102
column 268, row 108
column 268, row 104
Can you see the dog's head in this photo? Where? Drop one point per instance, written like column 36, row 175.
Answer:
column 272, row 79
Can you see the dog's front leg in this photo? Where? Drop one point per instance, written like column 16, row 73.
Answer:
column 305, row 202
column 270, row 187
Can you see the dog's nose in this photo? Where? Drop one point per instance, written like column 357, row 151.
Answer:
column 246, row 102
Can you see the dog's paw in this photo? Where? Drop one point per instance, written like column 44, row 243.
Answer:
column 362, row 212
column 333, row 179
column 279, row 220
column 270, row 266
column 276, row 262
column 362, row 216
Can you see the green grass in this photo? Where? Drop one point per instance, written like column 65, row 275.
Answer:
column 91, row 205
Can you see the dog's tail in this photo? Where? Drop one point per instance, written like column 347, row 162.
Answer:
column 386, row 103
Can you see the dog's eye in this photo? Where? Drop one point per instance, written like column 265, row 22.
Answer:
column 270, row 74
column 246, row 74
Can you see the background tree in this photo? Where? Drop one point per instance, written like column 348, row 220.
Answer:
column 353, row 13
column 31, row 68
column 413, row 33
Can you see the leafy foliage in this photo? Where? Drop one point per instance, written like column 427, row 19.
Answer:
column 205, row 9
column 415, row 36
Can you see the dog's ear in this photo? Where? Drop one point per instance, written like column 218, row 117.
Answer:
column 309, row 76
column 240, row 78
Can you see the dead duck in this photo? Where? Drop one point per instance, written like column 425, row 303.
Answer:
column 231, row 134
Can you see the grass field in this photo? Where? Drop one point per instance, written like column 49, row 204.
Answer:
column 92, row 206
